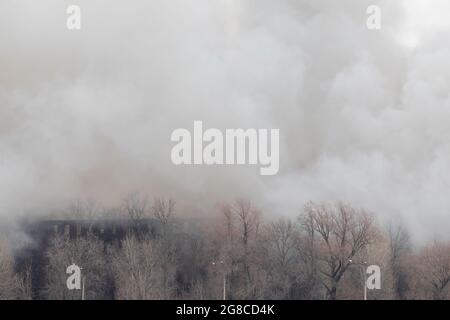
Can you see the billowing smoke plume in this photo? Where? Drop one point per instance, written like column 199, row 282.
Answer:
column 363, row 114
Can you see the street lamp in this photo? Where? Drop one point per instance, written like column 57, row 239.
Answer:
column 224, row 278
column 363, row 271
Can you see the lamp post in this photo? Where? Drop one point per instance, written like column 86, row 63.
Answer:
column 224, row 278
column 82, row 288
column 364, row 276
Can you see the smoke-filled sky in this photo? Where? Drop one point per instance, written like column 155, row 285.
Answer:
column 364, row 115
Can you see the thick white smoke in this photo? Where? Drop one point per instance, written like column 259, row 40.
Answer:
column 363, row 114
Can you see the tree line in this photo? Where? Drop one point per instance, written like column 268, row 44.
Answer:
column 241, row 254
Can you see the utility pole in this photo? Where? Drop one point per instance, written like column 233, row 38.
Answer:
column 224, row 292
column 82, row 288
column 364, row 275
column 224, row 286
column 363, row 270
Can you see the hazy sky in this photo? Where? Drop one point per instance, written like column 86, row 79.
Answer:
column 364, row 115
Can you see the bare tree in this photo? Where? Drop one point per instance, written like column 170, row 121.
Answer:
column 434, row 269
column 86, row 252
column 163, row 211
column 281, row 263
column 339, row 233
column 399, row 247
column 246, row 217
column 25, row 283
column 135, row 207
column 139, row 270
column 11, row 284
column 243, row 221
column 282, row 237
